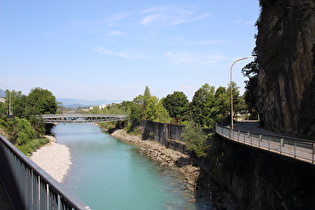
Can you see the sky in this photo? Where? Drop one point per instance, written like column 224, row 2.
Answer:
column 100, row 49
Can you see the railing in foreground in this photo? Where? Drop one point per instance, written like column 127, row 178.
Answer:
column 300, row 149
column 30, row 187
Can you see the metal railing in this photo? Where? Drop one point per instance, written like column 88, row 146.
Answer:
column 300, row 149
column 30, row 187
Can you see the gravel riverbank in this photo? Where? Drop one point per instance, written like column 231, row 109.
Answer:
column 53, row 158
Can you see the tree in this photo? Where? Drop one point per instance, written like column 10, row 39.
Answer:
column 177, row 105
column 203, row 105
column 195, row 138
column 136, row 109
column 41, row 101
column 222, row 100
column 146, row 96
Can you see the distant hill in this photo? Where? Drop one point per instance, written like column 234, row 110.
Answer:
column 75, row 103
column 2, row 93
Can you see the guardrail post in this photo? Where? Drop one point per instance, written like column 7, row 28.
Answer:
column 294, row 148
column 281, row 145
column 238, row 135
column 260, row 139
column 244, row 137
column 313, row 153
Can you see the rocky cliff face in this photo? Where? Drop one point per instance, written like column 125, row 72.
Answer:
column 286, row 56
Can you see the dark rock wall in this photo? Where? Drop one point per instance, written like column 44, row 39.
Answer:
column 286, row 56
column 260, row 180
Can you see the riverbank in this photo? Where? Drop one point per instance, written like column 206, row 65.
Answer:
column 165, row 157
column 53, row 158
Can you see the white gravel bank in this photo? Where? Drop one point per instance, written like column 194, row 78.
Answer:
column 54, row 158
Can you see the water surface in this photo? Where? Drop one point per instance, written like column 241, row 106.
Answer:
column 109, row 174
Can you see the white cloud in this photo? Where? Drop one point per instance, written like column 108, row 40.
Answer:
column 164, row 15
column 115, row 33
column 104, row 51
column 128, row 54
column 195, row 59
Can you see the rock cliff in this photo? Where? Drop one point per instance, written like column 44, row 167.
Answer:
column 286, row 56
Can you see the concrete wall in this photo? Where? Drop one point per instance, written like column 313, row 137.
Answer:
column 160, row 132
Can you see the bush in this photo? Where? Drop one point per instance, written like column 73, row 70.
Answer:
column 25, row 131
column 195, row 138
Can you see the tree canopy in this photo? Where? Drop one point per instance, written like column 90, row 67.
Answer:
column 177, row 105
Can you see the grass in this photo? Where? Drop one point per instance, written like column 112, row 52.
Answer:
column 32, row 145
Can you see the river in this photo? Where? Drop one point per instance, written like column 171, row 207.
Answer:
column 109, row 174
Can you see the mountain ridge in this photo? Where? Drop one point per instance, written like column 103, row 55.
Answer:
column 75, row 103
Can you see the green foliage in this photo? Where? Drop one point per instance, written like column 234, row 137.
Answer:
column 41, row 101
column 177, row 106
column 137, row 109
column 147, row 107
column 107, row 125
column 195, row 138
column 24, row 130
column 203, row 106
column 32, row 146
column 223, row 103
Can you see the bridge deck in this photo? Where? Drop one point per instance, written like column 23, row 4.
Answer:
column 82, row 118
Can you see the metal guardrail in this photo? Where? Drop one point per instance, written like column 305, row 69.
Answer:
column 30, row 187
column 300, row 149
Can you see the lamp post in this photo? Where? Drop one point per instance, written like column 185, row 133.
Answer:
column 232, row 112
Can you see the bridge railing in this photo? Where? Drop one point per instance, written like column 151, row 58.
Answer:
column 30, row 187
column 301, row 149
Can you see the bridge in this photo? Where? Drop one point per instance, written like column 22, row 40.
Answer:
column 296, row 148
column 82, row 118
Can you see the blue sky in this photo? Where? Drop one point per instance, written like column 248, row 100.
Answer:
column 111, row 50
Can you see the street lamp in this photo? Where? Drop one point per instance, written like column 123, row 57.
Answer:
column 232, row 112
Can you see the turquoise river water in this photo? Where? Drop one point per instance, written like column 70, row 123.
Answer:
column 109, row 174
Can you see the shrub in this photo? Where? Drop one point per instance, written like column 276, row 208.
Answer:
column 195, row 138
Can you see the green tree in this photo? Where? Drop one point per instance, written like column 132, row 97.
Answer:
column 146, row 97
column 235, row 95
column 136, row 109
column 203, row 106
column 195, row 138
column 41, row 101
column 155, row 110
column 222, row 100
column 2, row 108
column 177, row 105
